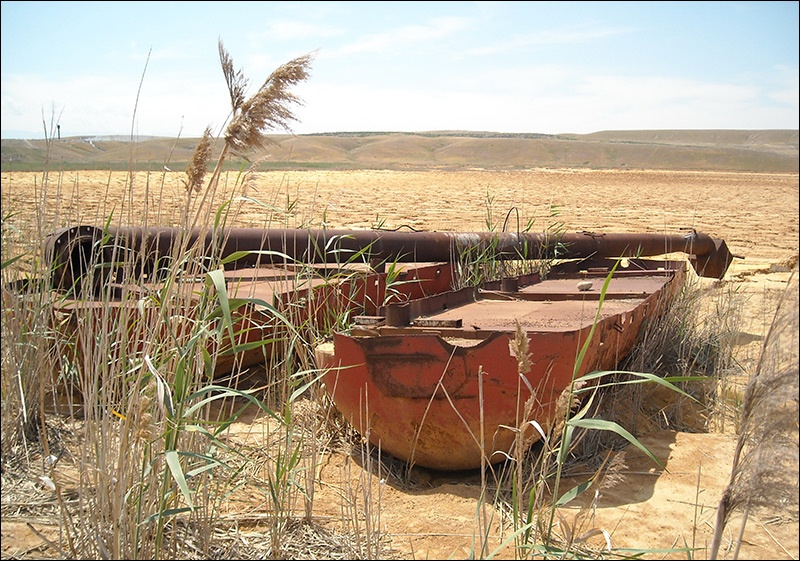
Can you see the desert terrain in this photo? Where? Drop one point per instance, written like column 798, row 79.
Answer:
column 434, row 514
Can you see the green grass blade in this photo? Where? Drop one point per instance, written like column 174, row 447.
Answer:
column 227, row 392
column 174, row 463
column 602, row 424
column 164, row 514
column 217, row 277
column 11, row 260
column 585, row 347
column 642, row 377
column 572, row 493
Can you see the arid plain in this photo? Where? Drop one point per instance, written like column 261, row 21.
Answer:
column 755, row 213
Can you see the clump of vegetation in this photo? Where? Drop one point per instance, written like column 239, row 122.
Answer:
column 135, row 369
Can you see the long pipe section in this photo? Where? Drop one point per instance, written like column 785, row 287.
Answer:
column 73, row 250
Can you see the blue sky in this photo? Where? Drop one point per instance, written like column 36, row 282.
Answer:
column 543, row 67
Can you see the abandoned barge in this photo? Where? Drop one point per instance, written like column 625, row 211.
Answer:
column 435, row 373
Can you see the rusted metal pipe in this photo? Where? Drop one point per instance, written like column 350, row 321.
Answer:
column 74, row 251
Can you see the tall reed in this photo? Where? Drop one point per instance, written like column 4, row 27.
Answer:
column 765, row 462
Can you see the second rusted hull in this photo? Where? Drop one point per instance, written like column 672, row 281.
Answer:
column 454, row 396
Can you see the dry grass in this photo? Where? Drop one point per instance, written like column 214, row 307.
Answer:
column 765, row 463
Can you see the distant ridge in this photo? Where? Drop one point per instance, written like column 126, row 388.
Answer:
column 454, row 134
column 700, row 150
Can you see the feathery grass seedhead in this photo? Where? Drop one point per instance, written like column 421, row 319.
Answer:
column 237, row 83
column 198, row 165
column 520, row 347
column 249, row 182
column 269, row 107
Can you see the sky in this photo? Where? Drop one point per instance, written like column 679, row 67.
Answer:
column 153, row 68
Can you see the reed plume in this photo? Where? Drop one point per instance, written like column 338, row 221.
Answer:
column 237, row 83
column 269, row 108
column 198, row 165
column 765, row 464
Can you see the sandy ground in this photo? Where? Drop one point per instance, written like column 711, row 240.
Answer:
column 756, row 214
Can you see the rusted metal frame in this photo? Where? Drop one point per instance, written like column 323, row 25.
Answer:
column 403, row 313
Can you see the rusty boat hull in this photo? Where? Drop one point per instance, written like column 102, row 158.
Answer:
column 279, row 299
column 438, row 382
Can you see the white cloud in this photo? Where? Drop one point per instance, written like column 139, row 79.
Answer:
column 788, row 96
column 96, row 105
column 527, row 79
column 568, row 35
column 403, row 37
column 292, row 30
column 590, row 104
column 650, row 90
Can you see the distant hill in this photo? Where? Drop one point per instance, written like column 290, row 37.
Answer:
column 702, row 150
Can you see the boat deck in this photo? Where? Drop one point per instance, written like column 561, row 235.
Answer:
column 554, row 304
